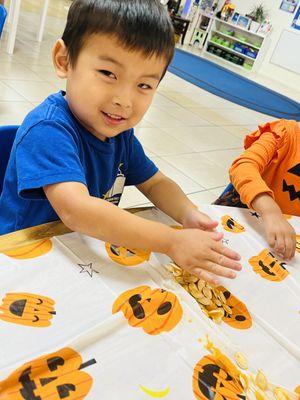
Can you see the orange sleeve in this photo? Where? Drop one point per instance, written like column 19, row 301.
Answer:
column 245, row 172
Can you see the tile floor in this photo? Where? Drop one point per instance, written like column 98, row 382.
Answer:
column 190, row 134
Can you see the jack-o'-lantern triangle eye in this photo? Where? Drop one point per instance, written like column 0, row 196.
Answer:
column 295, row 170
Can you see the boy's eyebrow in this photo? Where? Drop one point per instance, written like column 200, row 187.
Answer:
column 112, row 60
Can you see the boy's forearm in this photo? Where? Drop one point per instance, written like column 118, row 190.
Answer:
column 169, row 198
column 103, row 220
column 265, row 205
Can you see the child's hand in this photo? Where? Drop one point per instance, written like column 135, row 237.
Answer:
column 202, row 254
column 280, row 235
column 196, row 219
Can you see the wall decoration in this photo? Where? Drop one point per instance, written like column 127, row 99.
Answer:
column 296, row 20
column 243, row 22
column 289, row 5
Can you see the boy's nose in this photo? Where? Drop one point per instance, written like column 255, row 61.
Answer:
column 123, row 100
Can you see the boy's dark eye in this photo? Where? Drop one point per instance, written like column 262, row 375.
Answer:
column 107, row 73
column 144, row 86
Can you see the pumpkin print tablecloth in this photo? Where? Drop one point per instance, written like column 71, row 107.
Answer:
column 83, row 319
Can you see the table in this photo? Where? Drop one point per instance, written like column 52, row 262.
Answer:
column 181, row 26
column 83, row 319
column 13, row 19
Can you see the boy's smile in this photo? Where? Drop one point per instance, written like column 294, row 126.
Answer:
column 110, row 88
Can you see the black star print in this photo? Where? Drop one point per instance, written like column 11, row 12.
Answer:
column 87, row 268
column 254, row 214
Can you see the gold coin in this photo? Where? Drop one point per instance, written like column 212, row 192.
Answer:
column 205, row 301
column 280, row 394
column 192, row 278
column 207, row 292
column 227, row 309
column 179, row 279
column 244, row 381
column 261, row 380
column 241, row 360
column 217, row 302
column 222, row 297
column 219, row 313
column 200, row 285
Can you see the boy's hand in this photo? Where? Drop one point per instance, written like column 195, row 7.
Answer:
column 280, row 235
column 196, row 219
column 202, row 254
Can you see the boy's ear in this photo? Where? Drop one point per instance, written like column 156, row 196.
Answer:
column 60, row 59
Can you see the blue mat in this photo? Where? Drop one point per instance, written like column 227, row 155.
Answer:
column 233, row 87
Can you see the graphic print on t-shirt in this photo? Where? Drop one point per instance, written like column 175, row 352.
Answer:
column 292, row 183
column 115, row 193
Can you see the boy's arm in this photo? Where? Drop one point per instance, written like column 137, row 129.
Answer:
column 245, row 175
column 280, row 234
column 168, row 197
column 245, row 172
column 199, row 252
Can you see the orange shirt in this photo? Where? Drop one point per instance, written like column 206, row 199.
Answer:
column 270, row 164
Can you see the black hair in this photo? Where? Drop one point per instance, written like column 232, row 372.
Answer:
column 140, row 25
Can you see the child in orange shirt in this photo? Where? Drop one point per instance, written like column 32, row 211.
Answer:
column 266, row 177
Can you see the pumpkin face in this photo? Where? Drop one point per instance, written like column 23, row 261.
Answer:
column 291, row 184
column 124, row 256
column 27, row 309
column 55, row 376
column 230, row 225
column 268, row 267
column 32, row 250
column 240, row 317
column 155, row 310
column 211, row 381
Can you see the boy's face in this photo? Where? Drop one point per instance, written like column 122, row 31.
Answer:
column 110, row 88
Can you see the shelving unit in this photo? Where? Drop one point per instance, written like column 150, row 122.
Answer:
column 235, row 46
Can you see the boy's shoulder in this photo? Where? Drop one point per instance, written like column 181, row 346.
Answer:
column 282, row 130
column 53, row 109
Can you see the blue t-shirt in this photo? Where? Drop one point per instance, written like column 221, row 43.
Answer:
column 51, row 146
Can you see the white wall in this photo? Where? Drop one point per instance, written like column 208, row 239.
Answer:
column 280, row 20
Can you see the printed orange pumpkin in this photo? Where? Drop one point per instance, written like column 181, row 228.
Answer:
column 291, row 183
column 154, row 310
column 240, row 317
column 212, row 381
column 230, row 225
column 54, row 376
column 27, row 309
column 32, row 250
column 128, row 257
column 268, row 267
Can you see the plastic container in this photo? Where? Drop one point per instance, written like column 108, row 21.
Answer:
column 239, row 48
column 251, row 53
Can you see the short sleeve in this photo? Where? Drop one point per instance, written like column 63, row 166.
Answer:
column 140, row 167
column 46, row 154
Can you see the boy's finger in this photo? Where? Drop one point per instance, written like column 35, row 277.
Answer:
column 215, row 235
column 271, row 239
column 205, row 275
column 225, row 251
column 209, row 224
column 224, row 262
column 280, row 244
column 219, row 270
column 290, row 246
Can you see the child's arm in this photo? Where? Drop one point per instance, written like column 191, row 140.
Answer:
column 245, row 175
column 169, row 198
column 280, row 234
column 199, row 252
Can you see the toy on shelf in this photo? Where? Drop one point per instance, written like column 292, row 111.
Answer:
column 227, row 10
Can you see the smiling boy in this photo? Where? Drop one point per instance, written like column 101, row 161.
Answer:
column 74, row 153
